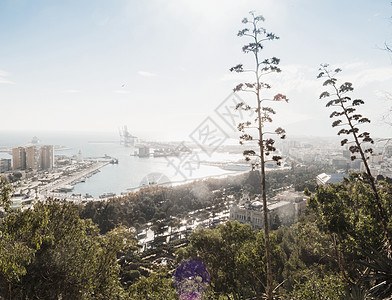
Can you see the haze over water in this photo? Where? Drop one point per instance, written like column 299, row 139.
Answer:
column 130, row 172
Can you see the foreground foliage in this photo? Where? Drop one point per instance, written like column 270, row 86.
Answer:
column 155, row 287
column 334, row 252
column 50, row 253
column 257, row 37
column 358, row 142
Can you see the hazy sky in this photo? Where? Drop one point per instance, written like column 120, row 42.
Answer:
column 162, row 67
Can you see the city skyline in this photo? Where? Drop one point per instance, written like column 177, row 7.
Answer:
column 162, row 68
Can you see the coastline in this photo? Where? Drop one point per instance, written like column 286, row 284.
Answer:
column 46, row 190
column 187, row 181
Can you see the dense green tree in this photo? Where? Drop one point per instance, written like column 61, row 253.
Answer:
column 5, row 194
column 14, row 177
column 303, row 247
column 312, row 287
column 219, row 249
column 66, row 256
column 155, row 287
column 14, row 254
column 350, row 120
column 347, row 214
column 156, row 204
column 235, row 258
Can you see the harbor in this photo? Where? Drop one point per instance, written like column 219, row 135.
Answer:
column 92, row 168
column 57, row 185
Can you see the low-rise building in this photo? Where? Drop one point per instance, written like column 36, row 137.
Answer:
column 379, row 165
column 5, row 165
column 248, row 214
column 282, row 210
column 325, row 179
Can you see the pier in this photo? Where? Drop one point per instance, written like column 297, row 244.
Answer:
column 49, row 190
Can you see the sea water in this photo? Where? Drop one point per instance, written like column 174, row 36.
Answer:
column 131, row 172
